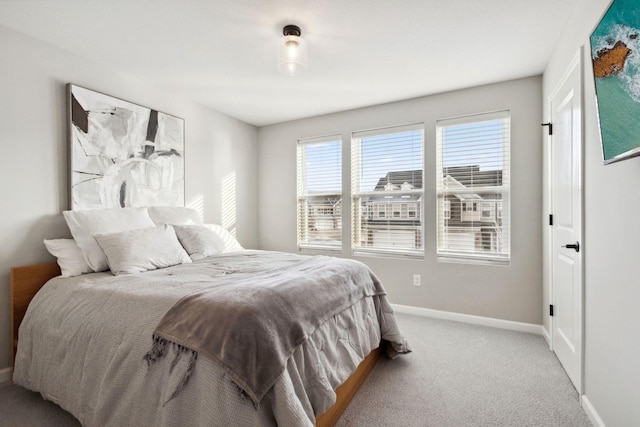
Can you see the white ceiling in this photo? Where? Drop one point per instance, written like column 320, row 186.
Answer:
column 222, row 53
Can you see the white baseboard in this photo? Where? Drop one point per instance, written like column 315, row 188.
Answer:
column 468, row 318
column 547, row 336
column 5, row 375
column 591, row 412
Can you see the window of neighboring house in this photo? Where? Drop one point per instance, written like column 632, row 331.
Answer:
column 412, row 210
column 319, row 186
column 473, row 163
column 487, row 211
column 446, row 209
column 396, row 210
column 386, row 167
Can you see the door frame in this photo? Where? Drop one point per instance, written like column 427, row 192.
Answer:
column 576, row 61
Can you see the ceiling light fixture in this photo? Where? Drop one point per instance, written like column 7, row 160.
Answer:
column 292, row 53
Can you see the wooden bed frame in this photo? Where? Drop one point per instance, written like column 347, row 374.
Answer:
column 27, row 281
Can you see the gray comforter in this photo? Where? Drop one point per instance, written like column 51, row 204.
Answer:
column 266, row 305
column 83, row 340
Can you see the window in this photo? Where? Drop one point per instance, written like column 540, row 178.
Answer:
column 320, row 192
column 473, row 173
column 413, row 210
column 487, row 210
column 386, row 171
column 447, row 209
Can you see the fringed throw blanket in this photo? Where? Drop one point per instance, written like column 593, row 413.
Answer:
column 265, row 306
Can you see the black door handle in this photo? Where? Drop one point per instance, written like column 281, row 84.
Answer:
column 575, row 246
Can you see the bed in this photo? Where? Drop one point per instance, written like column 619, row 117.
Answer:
column 84, row 343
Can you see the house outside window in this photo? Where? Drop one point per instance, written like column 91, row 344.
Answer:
column 386, row 172
column 319, row 188
column 473, row 188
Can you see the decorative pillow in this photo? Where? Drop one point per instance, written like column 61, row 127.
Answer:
column 69, row 257
column 84, row 224
column 135, row 251
column 174, row 215
column 199, row 241
column 230, row 242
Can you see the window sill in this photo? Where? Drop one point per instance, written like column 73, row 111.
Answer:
column 461, row 259
column 381, row 253
column 319, row 250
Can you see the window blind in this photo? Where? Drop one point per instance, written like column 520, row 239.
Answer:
column 387, row 190
column 319, row 188
column 473, row 187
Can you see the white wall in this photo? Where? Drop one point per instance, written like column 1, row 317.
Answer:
column 33, row 164
column 611, row 236
column 510, row 293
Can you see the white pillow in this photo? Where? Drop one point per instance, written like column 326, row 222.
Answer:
column 135, row 251
column 199, row 241
column 174, row 215
column 230, row 242
column 84, row 224
column 69, row 257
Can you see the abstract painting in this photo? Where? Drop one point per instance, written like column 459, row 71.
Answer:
column 123, row 154
column 615, row 53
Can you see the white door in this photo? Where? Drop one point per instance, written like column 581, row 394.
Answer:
column 566, row 236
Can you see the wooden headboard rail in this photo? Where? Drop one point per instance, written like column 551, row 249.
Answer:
column 25, row 283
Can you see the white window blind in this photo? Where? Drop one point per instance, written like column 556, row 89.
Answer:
column 387, row 190
column 473, row 187
column 319, row 187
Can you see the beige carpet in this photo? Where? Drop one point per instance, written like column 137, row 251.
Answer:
column 463, row 375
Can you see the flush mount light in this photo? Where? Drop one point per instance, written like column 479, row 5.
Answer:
column 292, row 52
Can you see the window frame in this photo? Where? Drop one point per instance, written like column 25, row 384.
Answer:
column 302, row 195
column 357, row 210
column 500, row 207
column 446, row 209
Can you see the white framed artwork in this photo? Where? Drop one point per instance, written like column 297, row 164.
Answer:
column 122, row 154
